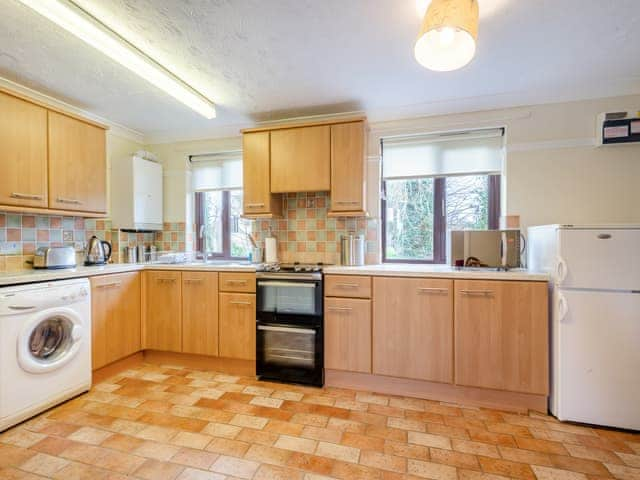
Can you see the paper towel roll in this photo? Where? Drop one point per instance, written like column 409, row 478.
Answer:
column 270, row 250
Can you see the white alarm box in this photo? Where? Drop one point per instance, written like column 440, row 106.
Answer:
column 136, row 194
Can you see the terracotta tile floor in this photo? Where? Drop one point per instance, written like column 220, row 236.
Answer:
column 172, row 423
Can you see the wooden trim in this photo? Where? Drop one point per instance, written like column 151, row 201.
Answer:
column 52, row 211
column 260, row 215
column 103, row 373
column 52, row 108
column 202, row 362
column 481, row 397
column 300, row 124
column 357, row 213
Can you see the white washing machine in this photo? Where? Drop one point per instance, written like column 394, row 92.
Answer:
column 45, row 347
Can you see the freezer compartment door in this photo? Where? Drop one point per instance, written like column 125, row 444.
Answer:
column 599, row 259
column 596, row 360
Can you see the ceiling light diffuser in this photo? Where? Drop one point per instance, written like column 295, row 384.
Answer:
column 75, row 20
column 447, row 39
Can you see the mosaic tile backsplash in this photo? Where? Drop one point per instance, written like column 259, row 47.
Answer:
column 306, row 234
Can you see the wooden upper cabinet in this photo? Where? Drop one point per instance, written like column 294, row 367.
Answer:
column 237, row 332
column 116, row 318
column 501, row 335
column 347, row 336
column 256, row 172
column 77, row 165
column 163, row 315
column 23, row 161
column 200, row 313
column 413, row 328
column 348, row 168
column 301, row 159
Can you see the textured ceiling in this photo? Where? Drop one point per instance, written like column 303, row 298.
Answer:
column 270, row 59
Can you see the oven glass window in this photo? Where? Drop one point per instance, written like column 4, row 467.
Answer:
column 287, row 297
column 288, row 347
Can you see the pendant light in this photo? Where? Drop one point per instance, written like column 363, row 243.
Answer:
column 447, row 39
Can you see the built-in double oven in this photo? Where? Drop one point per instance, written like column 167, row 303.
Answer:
column 289, row 327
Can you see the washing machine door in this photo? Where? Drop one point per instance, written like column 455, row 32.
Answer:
column 49, row 340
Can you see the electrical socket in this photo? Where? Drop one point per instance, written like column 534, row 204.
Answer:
column 10, row 248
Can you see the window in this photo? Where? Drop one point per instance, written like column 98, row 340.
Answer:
column 434, row 183
column 216, row 181
column 219, row 224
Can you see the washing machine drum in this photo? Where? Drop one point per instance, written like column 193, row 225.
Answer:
column 49, row 340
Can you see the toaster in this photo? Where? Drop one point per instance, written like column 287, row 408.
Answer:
column 54, row 257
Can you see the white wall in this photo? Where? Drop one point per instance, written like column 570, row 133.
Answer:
column 553, row 172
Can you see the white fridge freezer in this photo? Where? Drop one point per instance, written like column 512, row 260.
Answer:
column 595, row 320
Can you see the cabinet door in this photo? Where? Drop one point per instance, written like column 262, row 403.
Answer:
column 348, row 173
column 23, row 136
column 116, row 321
column 256, row 176
column 200, row 313
column 347, row 336
column 238, row 326
column 501, row 335
column 413, row 328
column 77, row 165
column 301, row 159
column 163, row 317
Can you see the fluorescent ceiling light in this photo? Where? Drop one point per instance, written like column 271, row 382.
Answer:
column 75, row 20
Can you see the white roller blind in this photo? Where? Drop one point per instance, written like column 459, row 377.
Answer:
column 435, row 155
column 218, row 171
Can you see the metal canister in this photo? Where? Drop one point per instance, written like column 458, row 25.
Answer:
column 352, row 250
column 132, row 254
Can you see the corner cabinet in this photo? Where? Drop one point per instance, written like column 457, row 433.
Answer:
column 52, row 162
column 348, row 169
column 23, row 136
column 501, row 335
column 258, row 201
column 77, row 165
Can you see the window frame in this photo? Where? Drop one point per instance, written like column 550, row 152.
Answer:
column 226, row 231
column 439, row 220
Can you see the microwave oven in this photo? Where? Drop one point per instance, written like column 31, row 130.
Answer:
column 485, row 248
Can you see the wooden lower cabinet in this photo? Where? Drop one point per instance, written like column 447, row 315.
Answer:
column 237, row 331
column 116, row 319
column 200, row 313
column 413, row 328
column 347, row 336
column 501, row 335
column 163, row 317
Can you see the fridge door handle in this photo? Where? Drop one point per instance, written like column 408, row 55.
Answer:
column 561, row 270
column 563, row 308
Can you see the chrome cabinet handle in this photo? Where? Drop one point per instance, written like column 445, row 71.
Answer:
column 347, row 285
column 236, row 282
column 254, row 205
column 237, row 302
column 485, row 293
column 433, row 290
column 192, row 280
column 344, row 202
column 26, row 196
column 68, row 200
column 165, row 280
column 109, row 285
column 340, row 309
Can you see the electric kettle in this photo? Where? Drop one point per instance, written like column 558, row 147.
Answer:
column 96, row 254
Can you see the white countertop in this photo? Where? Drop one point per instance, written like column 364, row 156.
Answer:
column 437, row 271
column 387, row 269
column 32, row 276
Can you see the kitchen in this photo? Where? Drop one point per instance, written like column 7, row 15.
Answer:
column 378, row 328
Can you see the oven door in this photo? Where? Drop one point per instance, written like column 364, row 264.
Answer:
column 289, row 297
column 289, row 353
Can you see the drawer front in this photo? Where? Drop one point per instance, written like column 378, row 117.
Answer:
column 237, row 282
column 352, row 286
